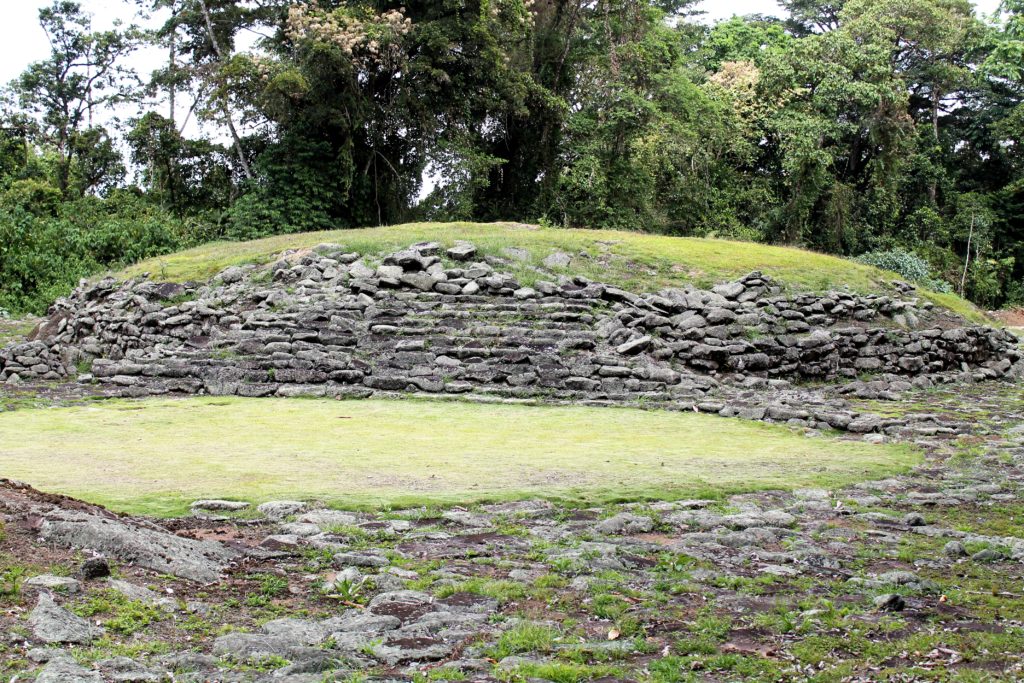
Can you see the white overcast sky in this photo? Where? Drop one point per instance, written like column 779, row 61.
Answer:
column 22, row 40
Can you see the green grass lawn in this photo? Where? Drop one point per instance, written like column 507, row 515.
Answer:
column 636, row 261
column 156, row 456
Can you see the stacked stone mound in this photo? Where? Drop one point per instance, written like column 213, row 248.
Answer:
column 326, row 322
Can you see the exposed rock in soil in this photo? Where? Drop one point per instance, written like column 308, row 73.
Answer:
column 53, row 624
column 154, row 549
column 64, row 670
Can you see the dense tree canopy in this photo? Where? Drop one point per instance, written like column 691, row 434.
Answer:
column 856, row 127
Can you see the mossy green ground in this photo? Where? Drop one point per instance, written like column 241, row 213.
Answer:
column 15, row 330
column 156, row 456
column 639, row 262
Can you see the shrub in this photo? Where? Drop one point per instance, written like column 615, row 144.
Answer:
column 1014, row 294
column 11, row 579
column 40, row 198
column 45, row 249
column 989, row 281
column 907, row 265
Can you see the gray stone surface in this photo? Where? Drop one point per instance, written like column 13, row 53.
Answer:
column 127, row 670
column 60, row 584
column 360, row 559
column 147, row 547
column 406, row 649
column 326, row 518
column 51, row 623
column 362, row 622
column 890, row 602
column 281, row 509
column 462, row 251
column 297, row 631
column 625, row 523
column 220, row 505
column 65, row 670
column 558, row 259
column 248, row 646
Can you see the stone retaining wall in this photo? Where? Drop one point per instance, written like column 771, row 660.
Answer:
column 327, row 322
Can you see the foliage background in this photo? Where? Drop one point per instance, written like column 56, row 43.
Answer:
column 888, row 130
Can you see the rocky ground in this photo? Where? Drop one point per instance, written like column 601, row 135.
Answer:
column 917, row 577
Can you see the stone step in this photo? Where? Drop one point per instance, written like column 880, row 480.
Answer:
column 583, row 318
column 502, row 312
column 471, row 334
column 465, row 323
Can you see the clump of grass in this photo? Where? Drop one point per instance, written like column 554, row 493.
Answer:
column 526, row 637
column 107, row 648
column 500, row 590
column 566, row 672
column 608, row 606
column 120, row 614
column 443, row 673
column 11, row 579
column 270, row 585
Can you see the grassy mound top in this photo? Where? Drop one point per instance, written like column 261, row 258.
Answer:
column 635, row 261
column 157, row 456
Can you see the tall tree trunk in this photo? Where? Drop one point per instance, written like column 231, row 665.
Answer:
column 225, row 109
column 933, row 187
column 64, row 151
column 172, row 105
column 172, row 67
column 967, row 259
column 63, row 164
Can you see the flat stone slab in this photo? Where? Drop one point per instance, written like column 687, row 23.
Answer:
column 625, row 523
column 55, row 583
column 52, row 623
column 412, row 648
column 220, row 505
column 247, row 646
column 160, row 551
column 64, row 670
column 142, row 594
column 281, row 509
column 325, row 518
